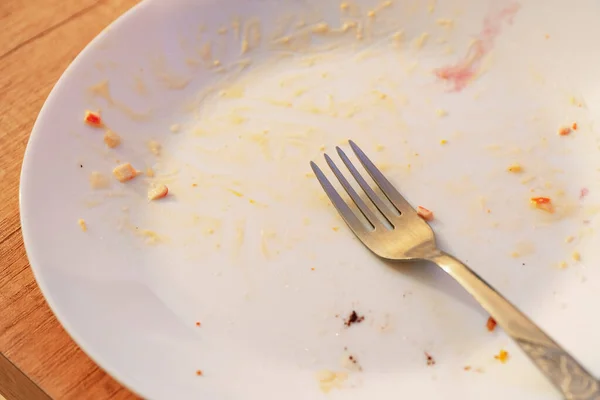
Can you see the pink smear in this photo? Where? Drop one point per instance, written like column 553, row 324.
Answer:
column 465, row 70
column 584, row 192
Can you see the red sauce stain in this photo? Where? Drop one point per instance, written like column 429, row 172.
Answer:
column 463, row 72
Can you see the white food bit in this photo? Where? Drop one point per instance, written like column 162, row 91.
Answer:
column 157, row 192
column 111, row 139
column 154, row 147
column 98, row 181
column 424, row 213
column 82, row 224
column 175, row 128
column 124, row 172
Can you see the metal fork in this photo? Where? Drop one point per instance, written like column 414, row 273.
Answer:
column 403, row 235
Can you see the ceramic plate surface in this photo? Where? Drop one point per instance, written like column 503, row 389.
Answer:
column 225, row 102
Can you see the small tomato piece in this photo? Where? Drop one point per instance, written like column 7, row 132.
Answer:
column 93, row 119
column 424, row 213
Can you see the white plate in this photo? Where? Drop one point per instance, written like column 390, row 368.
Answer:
column 247, row 244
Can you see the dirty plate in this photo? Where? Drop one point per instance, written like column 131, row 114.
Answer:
column 241, row 282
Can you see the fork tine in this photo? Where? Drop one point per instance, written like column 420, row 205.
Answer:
column 347, row 214
column 386, row 187
column 381, row 206
column 352, row 193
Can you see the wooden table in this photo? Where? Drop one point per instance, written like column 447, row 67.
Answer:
column 38, row 40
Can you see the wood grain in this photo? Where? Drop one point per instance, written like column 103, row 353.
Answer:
column 38, row 40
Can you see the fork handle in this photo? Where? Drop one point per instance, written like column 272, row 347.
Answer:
column 560, row 367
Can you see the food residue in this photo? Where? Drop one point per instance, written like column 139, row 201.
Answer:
column 331, row 380
column 502, row 356
column 199, row 372
column 98, row 181
column 124, row 172
column 175, row 128
column 466, row 70
column 543, row 203
column 157, row 192
column 82, row 224
column 198, row 323
column 154, row 147
column 111, row 139
column 564, row 131
column 93, row 119
column 354, row 318
column 424, row 213
column 430, row 359
column 491, row 324
column 574, row 126
column 515, row 168
column 576, row 256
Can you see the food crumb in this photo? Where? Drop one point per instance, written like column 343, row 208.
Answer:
column 321, row 28
column 157, row 192
column 491, row 324
column 354, row 318
column 430, row 359
column 175, row 128
column 515, row 168
column 424, row 213
column 329, row 379
column 502, row 356
column 82, row 224
column 569, row 239
column 441, row 113
column 543, row 203
column 199, row 372
column 198, row 323
column 93, row 119
column 563, row 265
column 564, row 131
column 124, row 172
column 576, row 256
column 445, row 22
column 111, row 139
column 583, row 192
column 443, row 141
column 98, row 180
column 149, row 172
column 154, row 147
column 467, row 368
column 574, row 126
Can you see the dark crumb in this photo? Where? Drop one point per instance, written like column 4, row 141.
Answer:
column 523, row 264
column 198, row 323
column 199, row 372
column 430, row 360
column 80, row 165
column 491, row 324
column 354, row 318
